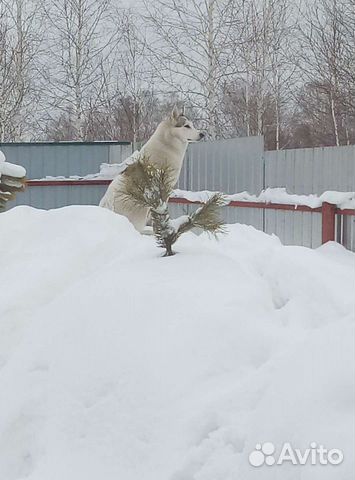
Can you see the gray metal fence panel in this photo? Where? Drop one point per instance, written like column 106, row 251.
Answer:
column 311, row 170
column 292, row 227
column 295, row 228
column 347, row 231
column 228, row 166
column 64, row 159
column 48, row 197
column 118, row 153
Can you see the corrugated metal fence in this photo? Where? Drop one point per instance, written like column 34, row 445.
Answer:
column 230, row 166
column 305, row 171
column 226, row 165
column 49, row 196
column 311, row 170
column 65, row 158
column 241, row 164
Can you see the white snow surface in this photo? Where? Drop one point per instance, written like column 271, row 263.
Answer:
column 10, row 169
column 119, row 364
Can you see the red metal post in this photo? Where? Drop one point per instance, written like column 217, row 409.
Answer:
column 328, row 222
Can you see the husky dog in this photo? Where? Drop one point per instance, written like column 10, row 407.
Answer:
column 167, row 146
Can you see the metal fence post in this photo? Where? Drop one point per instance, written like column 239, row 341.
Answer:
column 328, row 222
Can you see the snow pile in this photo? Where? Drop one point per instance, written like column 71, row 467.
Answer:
column 10, row 169
column 117, row 363
column 276, row 195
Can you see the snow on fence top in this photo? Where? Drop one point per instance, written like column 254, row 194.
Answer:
column 343, row 200
column 108, row 171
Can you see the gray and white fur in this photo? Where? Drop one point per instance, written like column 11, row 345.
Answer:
column 167, row 146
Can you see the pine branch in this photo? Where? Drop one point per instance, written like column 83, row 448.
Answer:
column 146, row 184
column 207, row 216
column 150, row 186
column 9, row 187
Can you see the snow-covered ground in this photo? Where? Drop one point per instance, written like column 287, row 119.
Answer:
column 118, row 364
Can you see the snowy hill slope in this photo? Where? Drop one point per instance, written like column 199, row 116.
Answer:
column 116, row 363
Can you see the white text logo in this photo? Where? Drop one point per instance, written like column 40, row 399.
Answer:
column 264, row 454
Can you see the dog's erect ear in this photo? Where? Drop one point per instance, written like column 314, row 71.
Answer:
column 175, row 113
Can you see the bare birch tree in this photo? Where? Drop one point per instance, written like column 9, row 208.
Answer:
column 191, row 51
column 20, row 34
column 81, row 39
column 131, row 108
column 348, row 67
column 134, row 91
column 255, row 98
column 324, row 51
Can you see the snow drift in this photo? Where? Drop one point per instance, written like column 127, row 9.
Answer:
column 116, row 363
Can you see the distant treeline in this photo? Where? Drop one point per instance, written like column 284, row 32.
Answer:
column 90, row 70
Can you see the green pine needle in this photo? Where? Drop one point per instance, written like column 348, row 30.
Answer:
column 148, row 185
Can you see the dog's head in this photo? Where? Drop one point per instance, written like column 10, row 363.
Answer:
column 182, row 127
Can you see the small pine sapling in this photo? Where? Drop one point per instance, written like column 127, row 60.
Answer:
column 151, row 186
